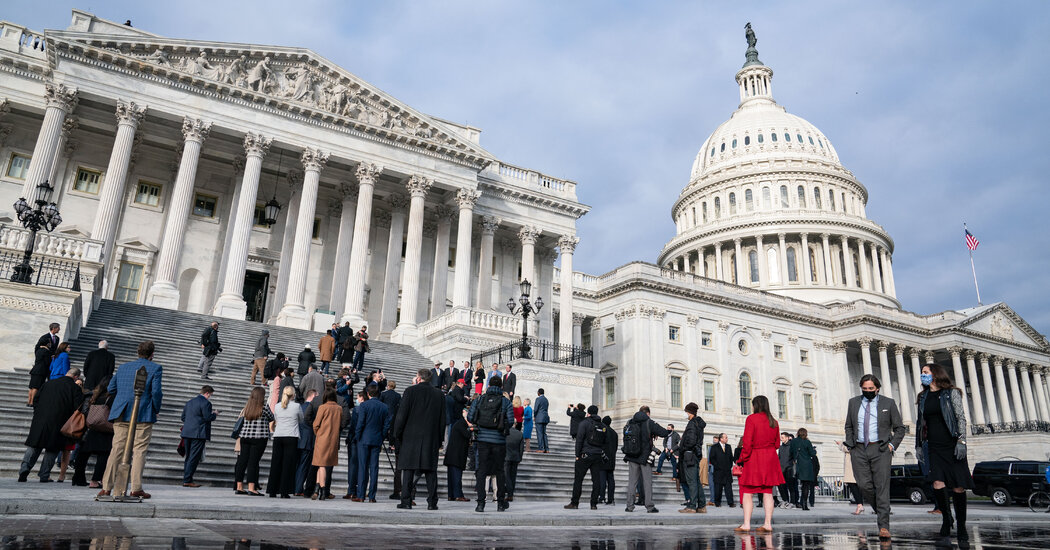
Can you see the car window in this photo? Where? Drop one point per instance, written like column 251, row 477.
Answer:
column 914, row 470
column 896, row 471
column 989, row 468
column 1026, row 468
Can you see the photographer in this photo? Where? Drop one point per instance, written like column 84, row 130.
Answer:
column 492, row 414
column 590, row 450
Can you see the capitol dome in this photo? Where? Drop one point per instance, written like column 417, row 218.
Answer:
column 767, row 188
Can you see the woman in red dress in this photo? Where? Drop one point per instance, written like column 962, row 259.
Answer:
column 760, row 462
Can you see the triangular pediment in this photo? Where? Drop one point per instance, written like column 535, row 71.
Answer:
column 1000, row 321
column 137, row 244
column 293, row 80
column 75, row 231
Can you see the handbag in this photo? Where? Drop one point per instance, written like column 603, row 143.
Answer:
column 237, row 428
column 75, row 426
column 738, row 470
column 98, row 419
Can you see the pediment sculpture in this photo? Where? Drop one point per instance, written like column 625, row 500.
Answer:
column 1001, row 327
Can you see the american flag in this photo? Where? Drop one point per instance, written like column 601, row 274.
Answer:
column 971, row 241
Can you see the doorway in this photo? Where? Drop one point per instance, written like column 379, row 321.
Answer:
column 254, row 293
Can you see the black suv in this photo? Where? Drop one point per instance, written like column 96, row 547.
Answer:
column 1007, row 481
column 907, row 482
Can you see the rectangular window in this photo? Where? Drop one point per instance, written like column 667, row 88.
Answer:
column 260, row 213
column 803, row 356
column 87, row 181
column 709, row 395
column 585, row 340
column 807, row 403
column 610, row 335
column 782, row 404
column 610, row 392
column 452, row 257
column 676, row 392
column 204, row 205
column 18, row 168
column 778, row 352
column 315, row 233
column 674, row 334
column 129, row 281
column 148, row 194
column 705, row 339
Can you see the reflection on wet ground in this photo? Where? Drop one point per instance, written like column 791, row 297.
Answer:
column 39, row 532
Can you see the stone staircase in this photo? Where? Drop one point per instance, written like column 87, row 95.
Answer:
column 175, row 334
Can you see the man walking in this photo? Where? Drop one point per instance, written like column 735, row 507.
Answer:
column 98, row 365
column 327, row 347
column 721, row 457
column 209, row 349
column 515, row 452
column 493, row 415
column 262, row 352
column 789, row 490
column 419, row 430
column 874, row 430
column 373, row 423
column 197, row 416
column 638, row 437
column 541, row 417
column 360, row 348
column 510, row 381
column 122, row 387
column 54, row 404
column 690, row 449
column 590, row 450
column 668, row 453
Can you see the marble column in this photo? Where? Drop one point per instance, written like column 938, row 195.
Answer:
column 763, row 269
column 876, row 275
column 466, row 198
column 1029, row 398
column 1015, row 391
column 784, row 275
column 353, row 311
column 60, row 101
column 986, row 377
column 293, row 313
column 231, row 302
column 865, row 355
column 341, row 269
column 164, row 292
column 887, row 267
column 1000, row 385
column 63, row 152
column 577, row 329
column 528, row 235
column 916, row 370
column 718, row 262
column 489, row 225
column 444, row 231
column 807, row 268
column 294, row 178
column 960, row 379
column 975, row 389
column 686, row 267
column 847, row 260
column 738, row 259
column 884, row 371
column 407, row 329
column 862, row 265
column 906, row 397
column 1040, row 393
column 129, row 116
column 392, row 275
column 567, row 246
column 829, row 274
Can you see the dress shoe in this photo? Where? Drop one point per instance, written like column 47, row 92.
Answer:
column 658, row 473
column 652, row 510
column 480, row 507
column 141, row 494
column 355, row 499
column 191, row 484
column 502, row 506
column 432, row 506
column 687, row 511
column 884, row 534
column 348, row 497
column 46, row 480
column 571, row 506
column 462, row 499
column 240, row 492
column 404, row 506
column 372, row 500
column 629, row 509
column 510, row 499
column 395, row 496
column 22, row 478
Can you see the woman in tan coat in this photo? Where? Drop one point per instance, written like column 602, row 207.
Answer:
column 327, row 423
column 327, row 350
column 849, row 482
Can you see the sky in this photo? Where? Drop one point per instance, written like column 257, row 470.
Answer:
column 938, row 108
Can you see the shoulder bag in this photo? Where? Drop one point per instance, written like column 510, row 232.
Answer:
column 237, row 428
column 98, row 419
column 75, row 426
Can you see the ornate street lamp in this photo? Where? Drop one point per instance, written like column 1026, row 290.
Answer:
column 272, row 208
column 525, row 309
column 45, row 216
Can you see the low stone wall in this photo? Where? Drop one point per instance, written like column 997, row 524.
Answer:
column 26, row 312
column 562, row 384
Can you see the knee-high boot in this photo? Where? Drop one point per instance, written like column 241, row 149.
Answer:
column 959, row 503
column 946, row 512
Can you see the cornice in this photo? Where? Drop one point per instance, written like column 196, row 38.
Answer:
column 528, row 198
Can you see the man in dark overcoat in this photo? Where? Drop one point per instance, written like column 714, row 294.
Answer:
column 420, row 430
column 98, row 365
column 54, row 404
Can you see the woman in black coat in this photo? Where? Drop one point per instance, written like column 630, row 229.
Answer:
column 456, row 458
column 576, row 415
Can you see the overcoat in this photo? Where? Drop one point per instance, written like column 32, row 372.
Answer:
column 53, row 405
column 420, row 427
column 327, row 424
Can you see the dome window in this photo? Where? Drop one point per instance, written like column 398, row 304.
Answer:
column 718, row 207
column 749, row 200
column 816, row 199
column 821, row 143
column 811, row 140
column 732, row 204
column 799, row 136
column 712, row 151
column 752, row 258
column 784, row 203
column 734, row 143
column 801, row 196
column 773, row 136
column 787, row 137
column 723, row 149
column 747, row 140
column 760, row 138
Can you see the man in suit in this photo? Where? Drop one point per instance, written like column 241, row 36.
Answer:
column 436, row 376
column 874, row 430
column 98, row 365
column 312, row 381
column 373, row 423
column 541, row 417
column 510, row 381
column 55, row 404
column 453, row 373
column 197, row 416
column 262, row 352
column 392, row 400
column 468, row 376
column 46, row 349
column 122, row 387
column 420, row 430
column 209, row 349
column 668, row 453
column 721, row 457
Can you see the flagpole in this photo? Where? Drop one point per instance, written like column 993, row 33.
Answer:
column 974, row 271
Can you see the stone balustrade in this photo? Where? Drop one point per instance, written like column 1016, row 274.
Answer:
column 475, row 319
column 531, row 178
column 17, row 38
column 54, row 245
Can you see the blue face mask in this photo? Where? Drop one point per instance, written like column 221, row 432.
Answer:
column 926, row 379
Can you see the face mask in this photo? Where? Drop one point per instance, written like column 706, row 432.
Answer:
column 869, row 395
column 926, row 379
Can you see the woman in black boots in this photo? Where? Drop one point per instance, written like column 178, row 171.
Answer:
column 940, row 445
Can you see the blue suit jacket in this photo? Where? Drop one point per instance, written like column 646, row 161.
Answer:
column 539, row 410
column 122, row 386
column 197, row 417
column 373, row 422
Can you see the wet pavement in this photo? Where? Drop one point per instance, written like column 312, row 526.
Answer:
column 68, row 532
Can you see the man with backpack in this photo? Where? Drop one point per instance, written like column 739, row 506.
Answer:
column 590, row 450
column 262, row 352
column 638, row 437
column 690, row 449
column 209, row 349
column 493, row 415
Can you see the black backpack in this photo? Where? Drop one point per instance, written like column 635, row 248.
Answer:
column 268, row 370
column 632, row 439
column 598, row 434
column 490, row 412
column 206, row 336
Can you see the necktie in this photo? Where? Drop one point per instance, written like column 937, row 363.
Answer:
column 867, row 421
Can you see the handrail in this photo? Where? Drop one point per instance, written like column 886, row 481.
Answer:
column 538, row 350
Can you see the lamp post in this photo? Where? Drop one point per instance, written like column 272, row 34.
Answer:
column 44, row 216
column 525, row 309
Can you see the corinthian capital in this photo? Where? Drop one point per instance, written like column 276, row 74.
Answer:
column 444, row 213
column 418, row 186
column 367, row 173
column 313, row 159
column 69, row 125
column 60, row 96
column 567, row 243
column 348, row 190
column 195, row 129
column 256, row 144
column 398, row 201
column 129, row 112
column 467, row 198
column 489, row 224
column 294, row 177
column 528, row 234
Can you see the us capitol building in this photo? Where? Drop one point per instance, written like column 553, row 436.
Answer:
column 169, row 159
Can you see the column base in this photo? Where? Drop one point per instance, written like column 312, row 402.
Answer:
column 230, row 306
column 164, row 295
column 356, row 321
column 405, row 333
column 294, row 316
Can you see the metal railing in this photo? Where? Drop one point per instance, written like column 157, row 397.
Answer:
column 539, row 350
column 831, row 486
column 46, row 271
column 1010, row 427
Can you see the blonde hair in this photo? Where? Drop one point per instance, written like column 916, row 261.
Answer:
column 287, row 396
column 517, row 401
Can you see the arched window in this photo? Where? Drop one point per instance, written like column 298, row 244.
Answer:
column 773, row 265
column 712, row 151
column 718, row 207
column 810, row 140
column 732, row 262
column 813, row 266
column 792, row 265
column 749, row 200
column 787, row 137
column 747, row 140
column 773, row 136
column 801, row 196
column 799, row 136
column 843, row 201
column 723, row 149
column 821, row 143
column 734, row 143
column 732, row 204
column 745, row 393
column 753, row 261
column 784, row 203
column 760, row 138
column 703, row 210
column 831, row 200
column 766, row 199
column 816, row 198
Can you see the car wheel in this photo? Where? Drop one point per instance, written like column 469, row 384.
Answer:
column 916, row 496
column 1000, row 496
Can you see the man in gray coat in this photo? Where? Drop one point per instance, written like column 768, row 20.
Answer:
column 874, row 430
column 312, row 381
column 262, row 351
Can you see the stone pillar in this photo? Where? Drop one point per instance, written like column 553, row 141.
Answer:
column 406, row 331
column 567, row 246
column 1040, row 393
column 294, row 313
column 341, row 269
column 906, row 397
column 739, row 261
column 960, row 379
column 865, row 355
column 784, row 276
column 164, row 292
column 231, row 302
column 1029, row 398
column 686, row 267
column 444, row 231
column 461, row 288
column 1015, row 391
column 829, row 274
column 353, row 311
column 807, row 269
column 887, row 266
column 986, row 377
column 1000, row 385
column 489, row 225
column 884, row 371
column 862, row 265
column 60, row 101
column 291, row 219
column 129, row 115
column 876, row 275
column 718, row 262
column 528, row 235
column 916, row 370
column 975, row 389
column 847, row 260
column 763, row 269
column 392, row 275
column 577, row 329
